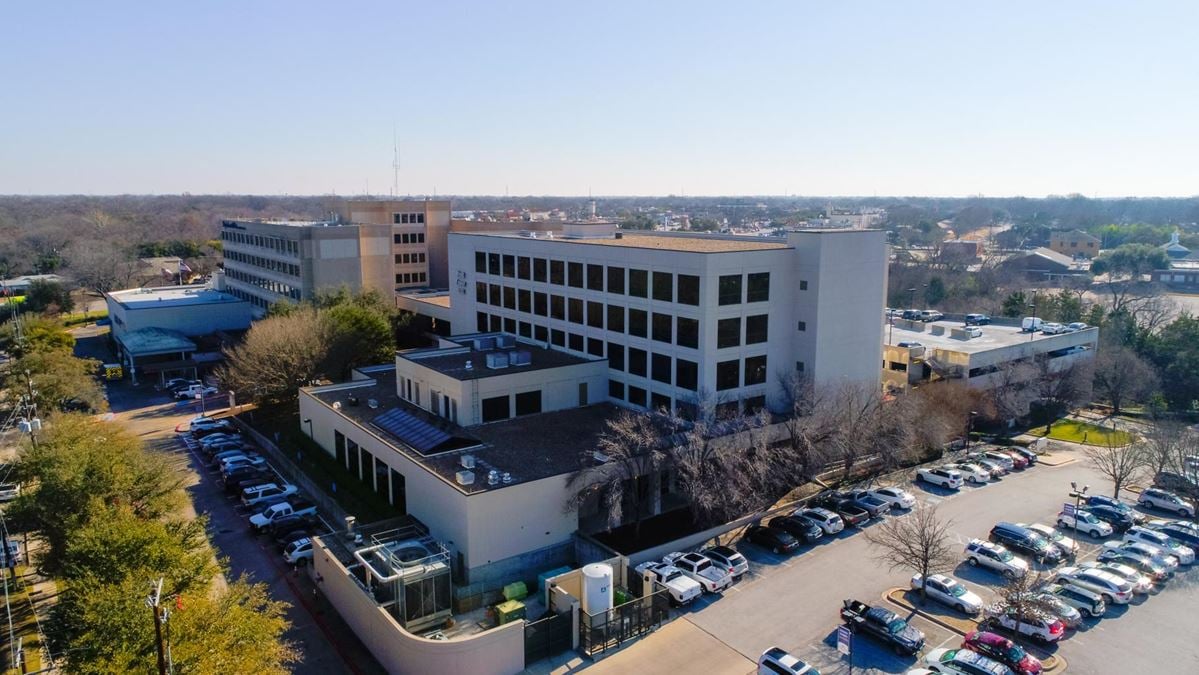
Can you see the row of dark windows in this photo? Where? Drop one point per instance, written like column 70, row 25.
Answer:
column 661, row 401
column 286, row 290
column 407, row 218
column 289, row 246
column 411, row 278
column 639, row 283
column 264, row 263
column 409, row 258
column 409, row 238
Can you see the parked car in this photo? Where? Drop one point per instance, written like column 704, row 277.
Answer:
column 1045, row 630
column 179, row 383
column 1117, row 518
column 999, row 648
column 196, row 391
column 771, row 538
column 963, row 662
column 875, row 506
column 682, row 588
column 776, row 661
column 1052, row 328
column 214, row 439
column 911, row 314
column 292, row 507
column 930, row 315
column 1031, row 324
column 1064, row 612
column 289, row 524
column 248, row 473
column 828, row 521
column 1163, row 541
column 1183, row 531
column 1019, row 461
column 298, row 552
column 1067, row 546
column 289, row 536
column 1025, row 542
column 1031, row 456
column 803, row 529
column 1175, row 482
column 883, row 624
column 1141, row 583
column 248, row 459
column 946, row 478
column 972, row 473
column 851, row 513
column 259, row 493
column 997, row 469
column 1003, row 459
column 1162, row 500
column 714, row 579
column 977, row 320
column 224, row 451
column 221, row 426
column 1152, row 552
column 1087, row 602
column 202, row 425
column 1153, row 568
column 995, row 557
column 1083, row 520
column 909, row 344
column 949, row 591
column 898, row 497
column 1122, row 507
column 1077, row 326
column 728, row 558
column 1108, row 586
column 9, row 491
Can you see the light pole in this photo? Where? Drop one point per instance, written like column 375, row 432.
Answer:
column 1032, row 313
column 1077, row 495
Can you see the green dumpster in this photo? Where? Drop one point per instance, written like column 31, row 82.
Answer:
column 510, row 611
column 516, row 591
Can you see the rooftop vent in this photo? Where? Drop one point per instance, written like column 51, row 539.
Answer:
column 493, row 477
column 337, row 405
column 520, row 358
column 469, row 365
column 372, row 403
column 497, row 360
column 484, row 343
column 467, row 461
column 507, row 477
column 505, row 341
column 465, row 477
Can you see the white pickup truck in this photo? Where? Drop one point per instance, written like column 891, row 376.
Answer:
column 682, row 588
column 274, row 512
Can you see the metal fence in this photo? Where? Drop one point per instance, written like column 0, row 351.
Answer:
column 547, row 637
column 612, row 628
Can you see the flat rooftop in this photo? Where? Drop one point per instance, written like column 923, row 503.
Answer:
column 526, row 448
column 662, row 242
column 283, row 221
column 993, row 337
column 474, row 350
column 171, row 296
column 438, row 297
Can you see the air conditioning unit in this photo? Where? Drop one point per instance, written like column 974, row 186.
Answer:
column 497, row 360
column 520, row 358
column 465, row 477
column 467, row 461
column 493, row 477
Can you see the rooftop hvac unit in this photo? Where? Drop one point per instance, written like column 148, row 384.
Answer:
column 497, row 360
column 484, row 343
column 372, row 403
column 465, row 477
column 505, row 341
column 469, row 365
column 507, row 477
column 493, row 477
column 467, row 461
column 520, row 358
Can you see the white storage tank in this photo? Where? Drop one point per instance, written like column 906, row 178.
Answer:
column 597, row 588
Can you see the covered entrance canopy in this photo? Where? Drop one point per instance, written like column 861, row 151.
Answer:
column 146, row 348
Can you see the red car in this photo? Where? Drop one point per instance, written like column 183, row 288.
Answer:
column 1018, row 461
column 1003, row 650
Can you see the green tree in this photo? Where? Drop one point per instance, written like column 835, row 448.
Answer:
column 1014, row 305
column 38, row 333
column 1175, row 352
column 359, row 336
column 60, row 381
column 935, row 293
column 49, row 297
column 1131, row 261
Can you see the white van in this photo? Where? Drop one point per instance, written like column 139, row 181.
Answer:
column 1031, row 324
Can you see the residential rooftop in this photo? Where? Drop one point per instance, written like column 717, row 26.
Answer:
column 696, row 243
column 171, row 296
column 471, row 357
column 525, row 448
column 993, row 336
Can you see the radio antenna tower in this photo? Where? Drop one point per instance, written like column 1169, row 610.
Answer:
column 395, row 163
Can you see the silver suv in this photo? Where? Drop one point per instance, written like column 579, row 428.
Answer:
column 995, row 557
column 1166, row 501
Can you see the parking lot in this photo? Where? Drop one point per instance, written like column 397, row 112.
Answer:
column 793, row 601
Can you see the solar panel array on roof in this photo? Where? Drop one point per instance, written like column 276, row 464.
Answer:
column 419, row 434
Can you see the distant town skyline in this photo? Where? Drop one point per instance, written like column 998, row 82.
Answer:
column 615, row 99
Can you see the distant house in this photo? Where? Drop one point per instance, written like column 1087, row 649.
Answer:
column 961, row 249
column 20, row 285
column 1074, row 243
column 1176, row 250
column 1044, row 264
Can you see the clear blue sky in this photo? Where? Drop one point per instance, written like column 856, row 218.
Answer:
column 562, row 97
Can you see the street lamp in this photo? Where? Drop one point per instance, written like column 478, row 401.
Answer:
column 1077, row 495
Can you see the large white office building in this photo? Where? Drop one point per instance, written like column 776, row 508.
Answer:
column 681, row 317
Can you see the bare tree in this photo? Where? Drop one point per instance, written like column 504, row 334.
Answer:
column 1164, row 443
column 101, row 266
column 1122, row 376
column 1118, row 463
column 278, row 356
column 1061, row 388
column 1019, row 598
column 632, row 451
column 918, row 541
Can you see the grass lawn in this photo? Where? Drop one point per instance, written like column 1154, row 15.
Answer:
column 1075, row 431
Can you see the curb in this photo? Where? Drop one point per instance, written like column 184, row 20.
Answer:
column 1047, row 461
column 1052, row 663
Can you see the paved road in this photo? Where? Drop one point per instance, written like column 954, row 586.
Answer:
column 793, row 602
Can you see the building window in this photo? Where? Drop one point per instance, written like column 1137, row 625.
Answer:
column 664, row 286
column 659, row 402
column 558, row 272
column 757, row 287
column 525, row 329
column 509, row 266
column 509, row 297
column 637, row 361
column 496, row 323
column 616, row 318
column 802, row 325
column 528, row 403
column 493, row 293
column 493, row 264
column 539, row 304
column 687, row 331
column 480, row 262
column 803, row 285
column 576, row 310
column 574, row 274
column 557, row 307
column 525, row 300
column 799, row 366
column 616, row 280
column 558, row 338
column 615, row 356
column 728, row 375
column 595, row 277
column 637, row 396
column 756, row 329
column 522, row 267
column 754, row 403
column 595, row 347
column 660, row 368
column 730, row 289
column 541, row 333
column 662, row 325
column 639, row 283
column 616, row 389
column 755, row 370
column 595, row 314
column 688, row 289
column 637, row 322
column 539, row 269
column 728, row 333
column 509, row 325
column 481, row 292
column 576, row 342
column 481, row 321
column 686, row 374
column 496, row 409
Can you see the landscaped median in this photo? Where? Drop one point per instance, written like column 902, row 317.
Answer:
column 1077, row 431
column 952, row 620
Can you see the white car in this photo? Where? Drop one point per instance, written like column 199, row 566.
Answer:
column 776, row 660
column 829, row 522
column 995, row 557
column 298, row 552
column 196, row 391
column 712, row 578
column 1140, row 583
column 1166, row 501
column 1046, row 629
column 898, row 498
column 1169, row 562
column 963, row 662
column 1052, row 328
column 237, row 461
column 1001, row 459
column 682, row 589
column 1169, row 546
column 973, row 473
column 1066, row 545
column 1112, row 588
column 949, row 591
column 946, row 478
column 9, row 491
column 729, row 558
column 1084, row 521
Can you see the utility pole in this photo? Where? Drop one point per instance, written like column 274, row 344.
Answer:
column 152, row 601
column 7, row 603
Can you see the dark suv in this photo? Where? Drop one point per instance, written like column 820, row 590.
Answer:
column 1025, row 541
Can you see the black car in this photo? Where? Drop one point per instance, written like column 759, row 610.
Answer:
column 287, row 524
column 219, row 426
column 235, row 486
column 772, row 538
column 1175, row 482
column 1027, row 542
column 1118, row 519
column 291, row 535
column 977, row 320
column 883, row 624
column 1031, row 456
column 1182, row 533
column 1100, row 500
column 800, row 528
